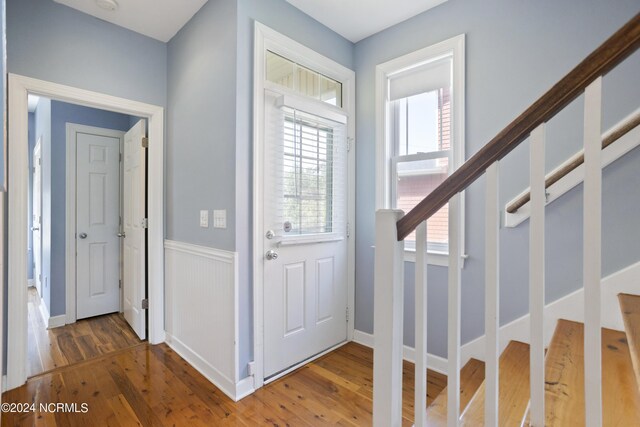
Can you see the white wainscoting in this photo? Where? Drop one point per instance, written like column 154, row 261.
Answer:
column 201, row 320
column 569, row 307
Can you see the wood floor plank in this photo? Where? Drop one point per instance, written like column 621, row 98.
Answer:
column 514, row 389
column 51, row 349
column 153, row 386
column 564, row 397
column 630, row 306
column 471, row 378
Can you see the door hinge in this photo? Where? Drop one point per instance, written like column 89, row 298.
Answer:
column 120, row 283
column 347, row 314
column 348, row 230
column 145, row 304
column 120, row 156
column 145, row 142
column 40, row 160
column 144, row 223
column 350, row 143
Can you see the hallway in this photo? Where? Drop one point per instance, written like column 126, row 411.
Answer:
column 77, row 342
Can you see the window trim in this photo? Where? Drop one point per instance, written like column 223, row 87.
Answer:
column 455, row 47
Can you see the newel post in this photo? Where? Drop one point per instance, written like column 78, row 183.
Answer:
column 388, row 318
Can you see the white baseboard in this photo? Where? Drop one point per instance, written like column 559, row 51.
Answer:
column 569, row 307
column 57, row 321
column 4, row 383
column 244, row 388
column 235, row 391
column 44, row 312
column 225, row 384
column 31, row 283
column 49, row 321
column 435, row 363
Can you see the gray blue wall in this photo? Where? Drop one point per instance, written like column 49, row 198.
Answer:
column 515, row 51
column 52, row 42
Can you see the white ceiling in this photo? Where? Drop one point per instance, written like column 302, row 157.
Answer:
column 159, row 19
column 358, row 19
column 353, row 19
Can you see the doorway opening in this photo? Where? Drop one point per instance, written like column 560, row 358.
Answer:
column 150, row 301
column 79, row 217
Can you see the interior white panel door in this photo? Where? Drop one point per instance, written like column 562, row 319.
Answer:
column 97, row 224
column 305, row 242
column 134, row 242
column 36, row 220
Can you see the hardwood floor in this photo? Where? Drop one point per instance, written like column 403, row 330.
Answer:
column 83, row 340
column 153, row 386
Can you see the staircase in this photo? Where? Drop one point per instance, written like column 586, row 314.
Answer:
column 564, row 379
column 588, row 376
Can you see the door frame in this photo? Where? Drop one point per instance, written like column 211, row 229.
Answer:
column 72, row 129
column 267, row 38
column 18, row 174
column 36, row 279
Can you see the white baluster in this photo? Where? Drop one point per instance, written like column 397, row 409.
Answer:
column 453, row 376
column 421, row 327
column 492, row 295
column 592, row 252
column 388, row 318
column 536, row 275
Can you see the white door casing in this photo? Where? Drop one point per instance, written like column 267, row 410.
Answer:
column 36, row 220
column 305, row 221
column 18, row 177
column 267, row 39
column 97, row 224
column 134, row 216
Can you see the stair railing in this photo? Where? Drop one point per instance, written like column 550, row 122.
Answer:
column 392, row 227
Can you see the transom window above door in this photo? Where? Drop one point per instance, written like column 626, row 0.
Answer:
column 302, row 80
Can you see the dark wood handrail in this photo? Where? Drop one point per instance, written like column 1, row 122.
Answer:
column 602, row 60
column 612, row 137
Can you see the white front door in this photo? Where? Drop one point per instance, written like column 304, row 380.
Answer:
column 97, row 224
column 36, row 220
column 305, row 242
column 134, row 218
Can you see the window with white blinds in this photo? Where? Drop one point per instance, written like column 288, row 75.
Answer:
column 309, row 156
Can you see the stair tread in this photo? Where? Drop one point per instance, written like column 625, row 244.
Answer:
column 471, row 377
column 514, row 389
column 630, row 306
column 564, row 379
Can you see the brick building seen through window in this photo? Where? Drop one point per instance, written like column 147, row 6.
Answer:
column 422, row 126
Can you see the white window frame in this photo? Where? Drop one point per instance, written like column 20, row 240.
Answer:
column 265, row 39
column 455, row 47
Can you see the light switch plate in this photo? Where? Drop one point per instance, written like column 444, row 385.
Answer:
column 220, row 218
column 204, row 219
